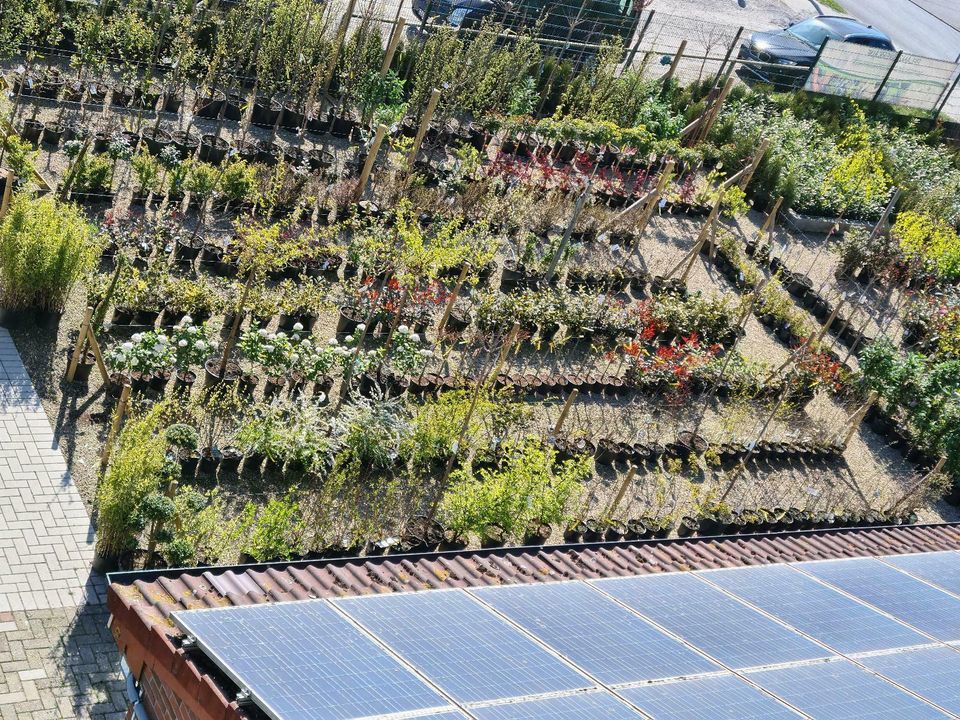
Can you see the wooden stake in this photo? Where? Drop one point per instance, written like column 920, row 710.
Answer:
column 81, row 345
column 615, row 503
column 424, row 125
column 673, row 65
column 566, row 409
column 97, row 355
column 705, row 231
column 743, row 177
column 853, row 422
column 115, row 425
column 665, row 177
column 886, row 214
column 7, row 193
column 920, row 483
column 392, row 47
column 453, row 298
column 770, row 221
column 338, row 44
column 368, row 165
column 648, row 202
column 577, row 209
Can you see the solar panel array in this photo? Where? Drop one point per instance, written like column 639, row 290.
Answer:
column 864, row 638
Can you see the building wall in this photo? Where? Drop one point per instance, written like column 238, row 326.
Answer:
column 160, row 702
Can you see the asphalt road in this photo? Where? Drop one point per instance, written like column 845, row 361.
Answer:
column 923, row 27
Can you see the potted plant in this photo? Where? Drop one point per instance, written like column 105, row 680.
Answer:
column 183, row 440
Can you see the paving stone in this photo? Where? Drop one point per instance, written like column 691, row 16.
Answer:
column 58, row 660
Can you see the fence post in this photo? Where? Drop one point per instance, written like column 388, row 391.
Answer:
column 392, row 47
column 726, row 58
column 673, row 65
column 943, row 103
column 636, row 46
column 894, row 196
column 883, row 83
column 816, row 60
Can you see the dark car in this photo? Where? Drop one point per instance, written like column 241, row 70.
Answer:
column 559, row 22
column 795, row 48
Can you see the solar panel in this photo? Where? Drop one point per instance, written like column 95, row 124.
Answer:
column 925, row 608
column 717, row 697
column 304, row 661
column 815, row 609
column 940, row 568
column 933, row 672
column 840, row 690
column 461, row 646
column 582, row 706
column 711, row 620
column 594, row 632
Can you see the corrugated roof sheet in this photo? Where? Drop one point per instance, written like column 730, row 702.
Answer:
column 154, row 595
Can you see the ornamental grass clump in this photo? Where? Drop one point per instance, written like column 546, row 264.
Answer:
column 45, row 247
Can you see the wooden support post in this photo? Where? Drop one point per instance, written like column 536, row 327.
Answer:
column 705, row 231
column 621, row 491
column 118, row 414
column 453, row 298
column 853, row 422
column 648, row 202
column 735, row 472
column 561, row 248
column 566, row 410
column 665, row 177
column 338, row 44
column 465, row 425
column 712, row 113
column 9, row 179
column 754, row 164
column 424, row 125
column 921, row 482
column 97, row 355
column 80, row 346
column 392, row 47
column 368, row 165
column 673, row 65
column 770, row 221
column 886, row 214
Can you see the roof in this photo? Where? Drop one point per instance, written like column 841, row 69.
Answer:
column 846, row 26
column 141, row 602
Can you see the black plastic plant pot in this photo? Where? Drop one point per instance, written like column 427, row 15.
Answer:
column 688, row 526
column 593, row 530
column 52, row 134
column 209, row 460
column 710, row 525
column 537, row 533
column 158, row 380
column 214, row 377
column 213, row 149
column 230, row 458
column 32, row 130
column 188, row 464
column 86, row 364
column 188, row 248
column 269, row 153
column 347, row 321
column 493, row 536
column 616, row 530
column 209, row 107
column 183, row 381
column 266, row 113
column 342, row 127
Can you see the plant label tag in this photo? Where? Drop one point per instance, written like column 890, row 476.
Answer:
column 662, row 203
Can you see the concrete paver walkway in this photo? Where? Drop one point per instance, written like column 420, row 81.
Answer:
column 57, row 657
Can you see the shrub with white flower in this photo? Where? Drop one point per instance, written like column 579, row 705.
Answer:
column 347, row 354
column 146, row 352
column 191, row 343
column 407, row 352
column 314, row 360
column 271, row 350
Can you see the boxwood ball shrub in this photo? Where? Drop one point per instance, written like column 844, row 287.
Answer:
column 45, row 247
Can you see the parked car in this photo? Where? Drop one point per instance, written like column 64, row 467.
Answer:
column 560, row 21
column 795, row 48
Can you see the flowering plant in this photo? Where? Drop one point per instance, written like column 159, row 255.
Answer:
column 273, row 351
column 190, row 343
column 407, row 352
column 145, row 353
column 312, row 359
